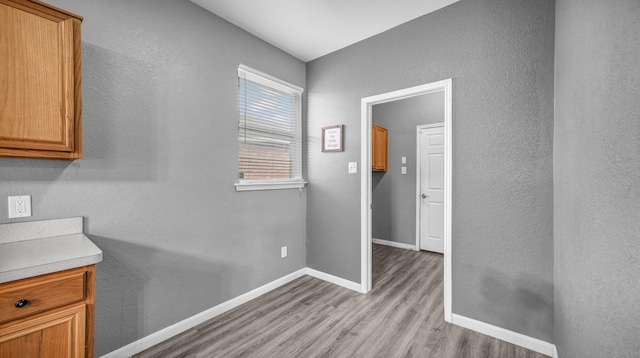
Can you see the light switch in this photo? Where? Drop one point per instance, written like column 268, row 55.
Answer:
column 404, row 170
column 404, row 160
column 353, row 167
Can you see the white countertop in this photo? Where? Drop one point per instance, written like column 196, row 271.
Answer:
column 27, row 250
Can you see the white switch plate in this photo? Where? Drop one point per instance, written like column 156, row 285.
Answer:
column 283, row 252
column 19, row 206
column 404, row 160
column 404, row 170
column 353, row 167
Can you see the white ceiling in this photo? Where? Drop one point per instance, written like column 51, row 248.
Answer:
column 308, row 29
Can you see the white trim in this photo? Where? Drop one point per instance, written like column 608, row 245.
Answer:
column 267, row 80
column 418, row 187
column 506, row 335
column 399, row 245
column 448, row 201
column 250, row 185
column 365, row 183
column 432, row 125
column 365, row 198
column 177, row 328
column 334, row 279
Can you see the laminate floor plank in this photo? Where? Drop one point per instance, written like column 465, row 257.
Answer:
column 402, row 316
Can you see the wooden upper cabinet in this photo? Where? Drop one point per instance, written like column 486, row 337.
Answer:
column 40, row 81
column 379, row 148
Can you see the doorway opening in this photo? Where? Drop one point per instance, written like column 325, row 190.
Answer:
column 365, row 186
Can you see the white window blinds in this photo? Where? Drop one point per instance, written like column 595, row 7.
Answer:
column 269, row 129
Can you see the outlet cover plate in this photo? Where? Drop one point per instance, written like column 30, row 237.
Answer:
column 353, row 167
column 19, row 206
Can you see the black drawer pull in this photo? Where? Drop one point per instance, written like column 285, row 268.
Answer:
column 21, row 303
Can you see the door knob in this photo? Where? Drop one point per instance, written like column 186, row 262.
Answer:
column 424, row 196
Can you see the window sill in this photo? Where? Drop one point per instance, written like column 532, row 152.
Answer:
column 257, row 185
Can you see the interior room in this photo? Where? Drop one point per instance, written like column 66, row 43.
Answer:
column 544, row 241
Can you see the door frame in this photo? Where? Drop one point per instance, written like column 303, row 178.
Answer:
column 419, row 177
column 367, row 104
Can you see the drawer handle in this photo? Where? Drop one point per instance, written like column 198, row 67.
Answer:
column 21, row 303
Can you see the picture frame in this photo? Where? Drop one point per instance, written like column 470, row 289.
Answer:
column 333, row 139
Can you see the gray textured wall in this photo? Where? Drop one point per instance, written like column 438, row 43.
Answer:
column 500, row 56
column 393, row 193
column 596, row 179
column 156, row 181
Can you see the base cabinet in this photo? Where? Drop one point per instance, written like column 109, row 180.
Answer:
column 48, row 316
column 53, row 335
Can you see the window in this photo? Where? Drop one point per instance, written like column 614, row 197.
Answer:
column 269, row 132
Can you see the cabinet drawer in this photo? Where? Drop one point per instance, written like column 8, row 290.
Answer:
column 41, row 293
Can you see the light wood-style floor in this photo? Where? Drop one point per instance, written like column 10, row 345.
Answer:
column 402, row 316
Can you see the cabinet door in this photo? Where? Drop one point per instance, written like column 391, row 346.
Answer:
column 38, row 69
column 379, row 139
column 56, row 334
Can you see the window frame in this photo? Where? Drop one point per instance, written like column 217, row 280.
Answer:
column 253, row 75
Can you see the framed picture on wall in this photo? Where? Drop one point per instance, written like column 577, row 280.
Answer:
column 332, row 140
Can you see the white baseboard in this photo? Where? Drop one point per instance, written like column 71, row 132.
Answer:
column 518, row 339
column 177, row 328
column 398, row 245
column 334, row 279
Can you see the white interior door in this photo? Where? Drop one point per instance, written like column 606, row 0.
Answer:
column 431, row 142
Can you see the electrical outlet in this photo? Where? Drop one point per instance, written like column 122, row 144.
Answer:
column 403, row 170
column 19, row 206
column 283, row 252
